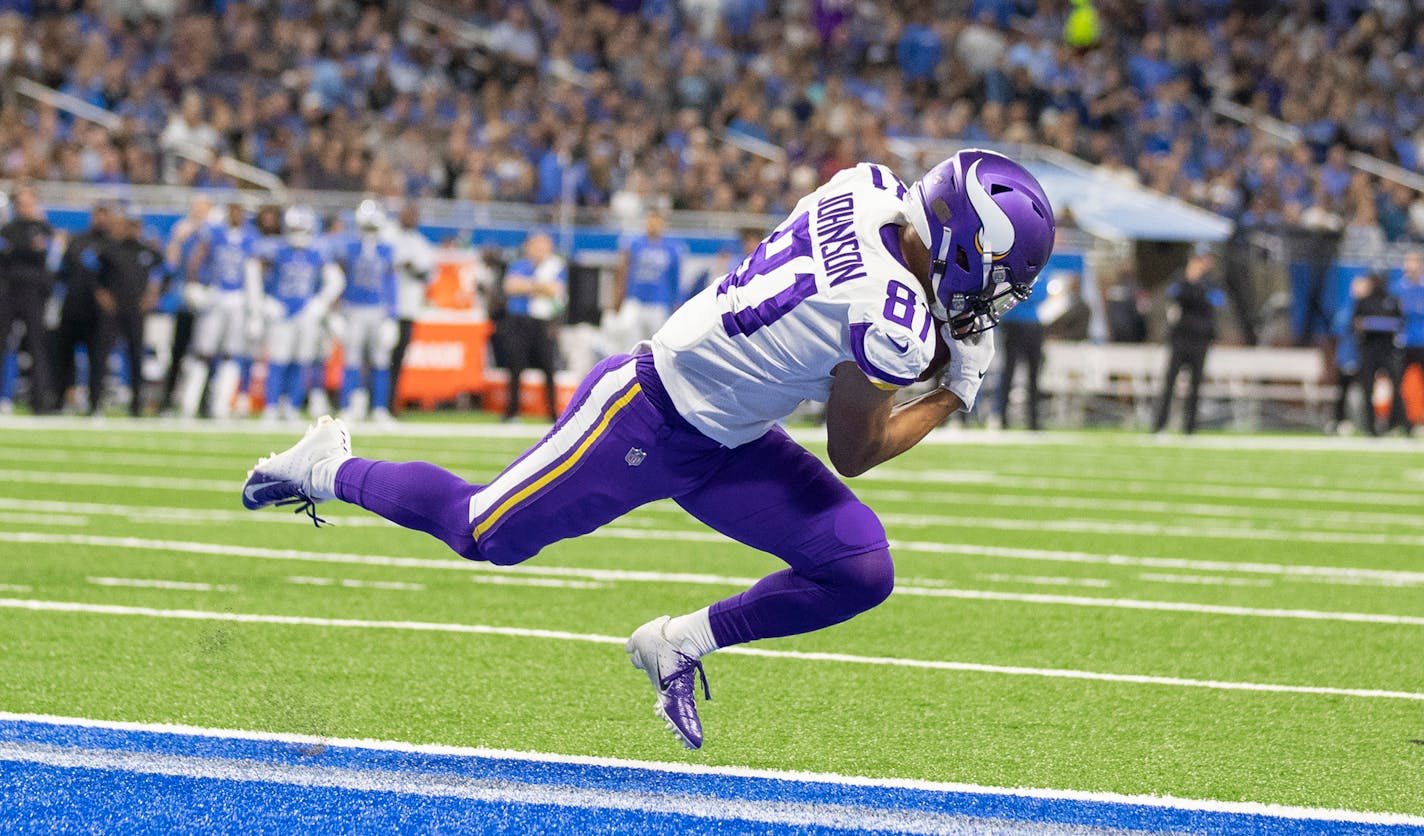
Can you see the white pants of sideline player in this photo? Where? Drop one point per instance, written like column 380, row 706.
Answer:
column 368, row 336
column 293, row 339
column 633, row 323
column 220, row 331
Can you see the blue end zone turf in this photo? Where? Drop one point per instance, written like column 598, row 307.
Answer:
column 57, row 777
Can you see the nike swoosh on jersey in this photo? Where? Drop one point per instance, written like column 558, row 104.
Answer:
column 901, row 348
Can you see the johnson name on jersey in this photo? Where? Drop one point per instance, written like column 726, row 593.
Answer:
column 828, row 286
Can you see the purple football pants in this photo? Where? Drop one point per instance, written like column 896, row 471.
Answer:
column 622, row 444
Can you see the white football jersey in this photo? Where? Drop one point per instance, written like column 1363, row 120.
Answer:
column 826, row 287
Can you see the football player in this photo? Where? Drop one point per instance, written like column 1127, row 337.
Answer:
column 855, row 295
column 647, row 283
column 368, row 308
column 215, row 290
column 295, row 286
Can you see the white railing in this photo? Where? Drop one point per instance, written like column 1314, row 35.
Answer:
column 1284, row 134
column 109, row 121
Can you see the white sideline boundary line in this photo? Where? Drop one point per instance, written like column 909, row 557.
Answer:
column 707, row 809
column 36, row 605
column 511, row 573
column 1155, row 801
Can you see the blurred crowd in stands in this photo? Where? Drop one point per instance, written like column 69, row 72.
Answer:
column 643, row 103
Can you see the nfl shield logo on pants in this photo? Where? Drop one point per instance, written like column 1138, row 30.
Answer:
column 635, row 456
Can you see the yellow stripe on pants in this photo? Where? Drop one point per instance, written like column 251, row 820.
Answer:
column 563, row 466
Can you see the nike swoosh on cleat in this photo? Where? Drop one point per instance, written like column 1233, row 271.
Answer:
column 981, row 375
column 247, row 491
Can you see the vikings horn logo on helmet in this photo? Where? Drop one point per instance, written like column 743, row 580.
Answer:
column 997, row 231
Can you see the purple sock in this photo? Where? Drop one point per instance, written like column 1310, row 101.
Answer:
column 791, row 602
column 415, row 495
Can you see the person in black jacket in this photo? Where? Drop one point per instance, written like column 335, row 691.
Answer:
column 25, row 288
column 128, row 278
column 1195, row 299
column 80, row 321
column 1377, row 321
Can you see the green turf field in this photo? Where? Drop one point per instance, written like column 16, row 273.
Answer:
column 1093, row 612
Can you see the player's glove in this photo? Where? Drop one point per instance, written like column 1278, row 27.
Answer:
column 969, row 361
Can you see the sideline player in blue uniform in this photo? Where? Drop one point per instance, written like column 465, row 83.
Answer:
column 646, row 283
column 368, row 308
column 295, row 287
column 858, row 293
column 216, row 272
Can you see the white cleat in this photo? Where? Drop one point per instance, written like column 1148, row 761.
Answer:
column 674, row 676
column 286, row 478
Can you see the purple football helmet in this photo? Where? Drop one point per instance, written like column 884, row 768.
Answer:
column 989, row 229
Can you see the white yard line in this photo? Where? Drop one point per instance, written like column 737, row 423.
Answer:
column 1147, row 529
column 123, row 480
column 1344, row 574
column 561, row 635
column 1309, row 518
column 1045, row 580
column 197, row 516
column 1162, row 606
column 203, row 457
column 1203, row 580
column 476, row 432
column 174, row 515
column 352, row 583
column 1282, row 493
column 552, row 583
column 696, row 769
column 219, row 550
column 65, row 520
column 148, row 583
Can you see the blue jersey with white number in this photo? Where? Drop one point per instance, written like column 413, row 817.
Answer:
column 654, row 271
column 829, row 287
column 228, row 250
column 294, row 276
column 370, row 267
